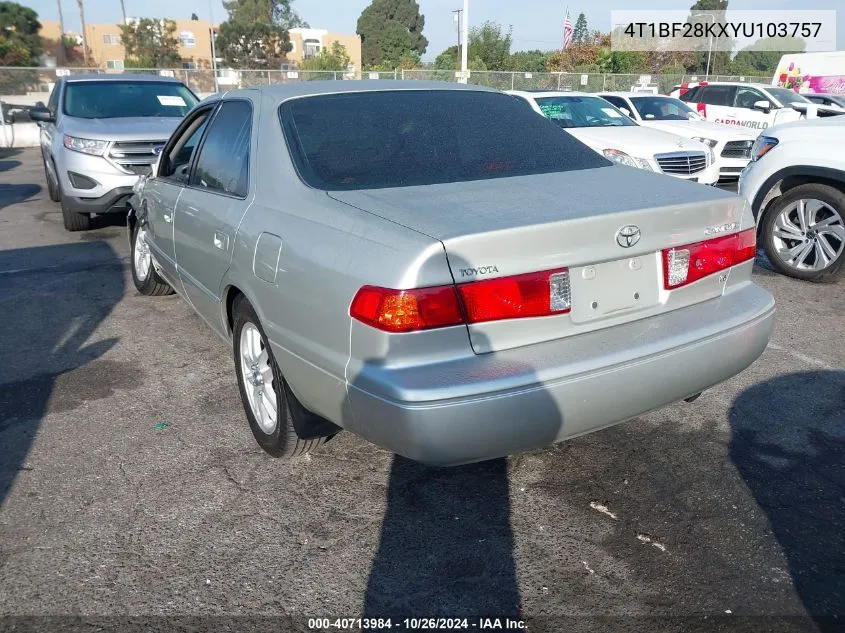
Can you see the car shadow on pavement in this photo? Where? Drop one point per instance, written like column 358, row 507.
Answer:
column 788, row 444
column 14, row 194
column 52, row 299
column 446, row 547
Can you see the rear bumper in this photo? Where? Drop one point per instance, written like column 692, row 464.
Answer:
column 508, row 402
column 114, row 201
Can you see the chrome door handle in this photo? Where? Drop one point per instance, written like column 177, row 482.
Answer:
column 221, row 240
column 167, row 217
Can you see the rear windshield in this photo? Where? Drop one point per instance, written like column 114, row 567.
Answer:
column 394, row 138
column 115, row 99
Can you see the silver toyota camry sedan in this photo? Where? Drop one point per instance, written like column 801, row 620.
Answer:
column 440, row 270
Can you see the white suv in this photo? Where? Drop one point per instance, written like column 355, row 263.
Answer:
column 751, row 106
column 795, row 184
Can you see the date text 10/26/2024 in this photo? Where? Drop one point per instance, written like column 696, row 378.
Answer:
column 415, row 624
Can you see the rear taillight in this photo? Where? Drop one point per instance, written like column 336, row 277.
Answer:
column 531, row 295
column 683, row 265
column 407, row 310
column 545, row 293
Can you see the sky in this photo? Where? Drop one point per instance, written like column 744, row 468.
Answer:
column 536, row 23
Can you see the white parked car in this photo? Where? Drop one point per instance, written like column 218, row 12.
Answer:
column 752, row 106
column 731, row 145
column 795, row 185
column 604, row 128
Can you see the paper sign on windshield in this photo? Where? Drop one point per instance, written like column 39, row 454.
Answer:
column 168, row 100
column 553, row 111
column 611, row 113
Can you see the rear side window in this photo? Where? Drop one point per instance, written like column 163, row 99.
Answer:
column 691, row 94
column 401, row 138
column 717, row 95
column 223, row 162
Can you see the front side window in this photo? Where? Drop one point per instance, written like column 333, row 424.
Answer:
column 117, row 99
column 223, row 161
column 179, row 158
column 747, row 97
column 571, row 112
column 404, row 138
column 663, row 109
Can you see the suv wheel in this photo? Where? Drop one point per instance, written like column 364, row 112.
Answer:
column 52, row 186
column 73, row 221
column 803, row 232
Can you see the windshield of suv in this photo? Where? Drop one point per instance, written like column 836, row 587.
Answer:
column 786, row 96
column 664, row 109
column 117, row 99
column 581, row 112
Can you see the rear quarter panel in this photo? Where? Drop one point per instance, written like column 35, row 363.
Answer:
column 328, row 251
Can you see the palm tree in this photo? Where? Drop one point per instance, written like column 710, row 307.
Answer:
column 81, row 4
column 61, row 50
column 123, row 10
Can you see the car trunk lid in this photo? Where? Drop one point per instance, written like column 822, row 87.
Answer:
column 511, row 226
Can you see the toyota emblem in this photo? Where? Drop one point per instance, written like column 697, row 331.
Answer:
column 628, row 235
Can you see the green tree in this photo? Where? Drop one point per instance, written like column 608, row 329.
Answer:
column 528, row 61
column 580, row 33
column 333, row 58
column 719, row 59
column 150, row 43
column 491, row 44
column 20, row 44
column 450, row 60
column 278, row 12
column 256, row 33
column 627, row 62
column 389, row 30
column 762, row 57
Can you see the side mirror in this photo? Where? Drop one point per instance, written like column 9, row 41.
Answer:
column 762, row 105
column 625, row 111
column 41, row 114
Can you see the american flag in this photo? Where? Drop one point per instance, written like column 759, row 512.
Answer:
column 567, row 31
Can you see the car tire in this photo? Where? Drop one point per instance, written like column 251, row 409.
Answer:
column 73, row 221
column 783, row 229
column 144, row 275
column 275, row 433
column 52, row 187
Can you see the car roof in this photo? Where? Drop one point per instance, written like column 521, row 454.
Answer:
column 730, row 83
column 325, row 87
column 121, row 77
column 551, row 93
column 633, row 94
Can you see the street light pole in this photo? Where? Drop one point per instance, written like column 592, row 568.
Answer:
column 213, row 48
column 465, row 47
column 710, row 47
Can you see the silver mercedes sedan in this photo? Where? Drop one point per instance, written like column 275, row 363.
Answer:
column 440, row 270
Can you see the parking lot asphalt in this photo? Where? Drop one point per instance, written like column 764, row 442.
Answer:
column 131, row 485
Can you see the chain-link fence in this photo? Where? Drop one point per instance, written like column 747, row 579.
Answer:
column 27, row 86
column 585, row 82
